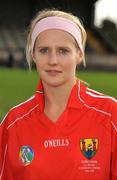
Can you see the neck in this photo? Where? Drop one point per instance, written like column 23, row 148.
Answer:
column 56, row 99
column 57, row 95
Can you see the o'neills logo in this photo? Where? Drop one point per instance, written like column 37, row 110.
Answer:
column 56, row 143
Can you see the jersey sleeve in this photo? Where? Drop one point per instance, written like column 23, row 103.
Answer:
column 4, row 169
column 114, row 143
column 3, row 144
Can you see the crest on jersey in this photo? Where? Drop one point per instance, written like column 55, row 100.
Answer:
column 26, row 155
column 89, row 147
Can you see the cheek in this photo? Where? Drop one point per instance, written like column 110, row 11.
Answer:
column 70, row 64
column 36, row 57
column 39, row 65
column 39, row 61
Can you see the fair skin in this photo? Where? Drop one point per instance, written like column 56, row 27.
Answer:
column 56, row 57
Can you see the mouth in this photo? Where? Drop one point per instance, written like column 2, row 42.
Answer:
column 53, row 72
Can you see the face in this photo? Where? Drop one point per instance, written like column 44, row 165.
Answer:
column 56, row 56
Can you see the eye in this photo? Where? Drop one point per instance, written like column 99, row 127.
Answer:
column 43, row 50
column 63, row 51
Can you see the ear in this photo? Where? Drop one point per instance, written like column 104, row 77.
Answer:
column 79, row 57
column 33, row 57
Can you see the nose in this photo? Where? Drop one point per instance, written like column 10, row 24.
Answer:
column 53, row 59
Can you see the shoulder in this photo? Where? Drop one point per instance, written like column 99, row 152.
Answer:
column 100, row 97
column 101, row 104
column 96, row 100
column 19, row 111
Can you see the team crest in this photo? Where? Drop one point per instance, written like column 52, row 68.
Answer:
column 89, row 147
column 26, row 155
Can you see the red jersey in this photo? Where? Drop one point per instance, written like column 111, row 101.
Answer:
column 81, row 145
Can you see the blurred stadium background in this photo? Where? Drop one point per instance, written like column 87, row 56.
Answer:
column 17, row 84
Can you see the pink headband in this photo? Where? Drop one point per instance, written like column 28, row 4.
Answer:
column 56, row 22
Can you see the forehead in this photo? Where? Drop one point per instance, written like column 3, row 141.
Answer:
column 55, row 35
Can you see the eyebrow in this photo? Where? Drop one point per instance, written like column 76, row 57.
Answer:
column 66, row 47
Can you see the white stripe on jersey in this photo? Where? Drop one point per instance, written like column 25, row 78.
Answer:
column 2, row 169
column 40, row 92
column 94, row 91
column 97, row 96
column 32, row 97
column 114, row 126
column 91, row 107
column 3, row 119
column 101, row 96
column 16, row 107
column 22, row 116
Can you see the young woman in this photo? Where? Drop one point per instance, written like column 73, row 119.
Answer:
column 66, row 130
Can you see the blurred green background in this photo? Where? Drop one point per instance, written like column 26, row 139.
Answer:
column 17, row 85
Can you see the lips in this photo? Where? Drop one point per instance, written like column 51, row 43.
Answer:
column 53, row 72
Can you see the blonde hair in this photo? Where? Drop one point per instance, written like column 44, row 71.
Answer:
column 47, row 13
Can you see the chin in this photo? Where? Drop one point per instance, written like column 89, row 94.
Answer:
column 54, row 83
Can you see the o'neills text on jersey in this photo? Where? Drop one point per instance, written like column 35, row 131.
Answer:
column 56, row 143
